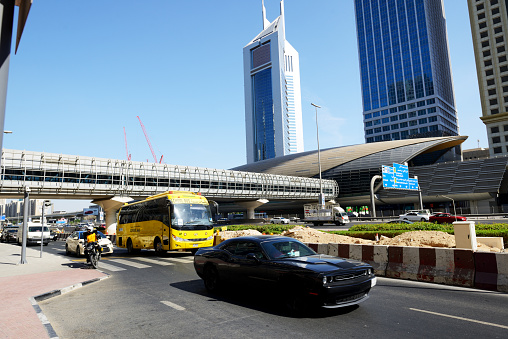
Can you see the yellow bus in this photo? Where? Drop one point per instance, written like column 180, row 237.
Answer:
column 173, row 220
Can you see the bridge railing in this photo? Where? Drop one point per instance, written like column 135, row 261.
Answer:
column 69, row 175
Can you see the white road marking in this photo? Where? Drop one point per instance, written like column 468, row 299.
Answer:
column 460, row 318
column 175, row 306
column 103, row 265
column 153, row 261
column 128, row 263
column 185, row 261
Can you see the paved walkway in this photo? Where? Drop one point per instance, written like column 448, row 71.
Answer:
column 23, row 284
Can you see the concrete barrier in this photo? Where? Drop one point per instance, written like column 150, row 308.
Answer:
column 491, row 271
column 439, row 265
column 449, row 266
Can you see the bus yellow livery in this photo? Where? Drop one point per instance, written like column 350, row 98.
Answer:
column 174, row 220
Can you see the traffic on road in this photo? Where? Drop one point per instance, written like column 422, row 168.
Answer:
column 145, row 290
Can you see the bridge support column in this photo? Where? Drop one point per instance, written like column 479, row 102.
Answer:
column 110, row 207
column 251, row 206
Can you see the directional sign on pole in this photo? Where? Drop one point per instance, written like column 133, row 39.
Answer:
column 397, row 177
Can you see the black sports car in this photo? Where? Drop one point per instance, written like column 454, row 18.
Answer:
column 301, row 274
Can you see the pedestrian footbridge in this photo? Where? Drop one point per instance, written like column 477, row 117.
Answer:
column 59, row 176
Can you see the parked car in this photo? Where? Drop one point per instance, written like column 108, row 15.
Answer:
column 9, row 233
column 294, row 219
column 416, row 215
column 279, row 220
column 446, row 218
column 75, row 243
column 398, row 221
column 287, row 266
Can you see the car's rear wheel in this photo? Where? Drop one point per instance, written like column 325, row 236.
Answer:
column 211, row 279
column 423, row 220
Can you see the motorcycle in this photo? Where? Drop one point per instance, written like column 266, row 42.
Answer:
column 93, row 250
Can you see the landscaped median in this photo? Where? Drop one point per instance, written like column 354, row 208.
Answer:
column 413, row 254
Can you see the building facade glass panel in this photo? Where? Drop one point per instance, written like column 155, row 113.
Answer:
column 402, row 45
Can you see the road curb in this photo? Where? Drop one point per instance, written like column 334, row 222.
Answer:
column 44, row 296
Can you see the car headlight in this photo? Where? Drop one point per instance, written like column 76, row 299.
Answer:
column 210, row 237
column 325, row 280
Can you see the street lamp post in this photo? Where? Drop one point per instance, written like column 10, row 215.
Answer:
column 45, row 203
column 321, row 197
column 453, row 202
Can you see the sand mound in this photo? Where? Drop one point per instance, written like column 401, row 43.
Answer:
column 415, row 238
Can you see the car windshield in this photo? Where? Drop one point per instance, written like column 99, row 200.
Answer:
column 188, row 216
column 37, row 229
column 286, row 249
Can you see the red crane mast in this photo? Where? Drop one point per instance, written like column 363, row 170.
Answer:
column 149, row 143
column 126, row 148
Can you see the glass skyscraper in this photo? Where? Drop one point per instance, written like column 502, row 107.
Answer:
column 405, row 69
column 273, row 112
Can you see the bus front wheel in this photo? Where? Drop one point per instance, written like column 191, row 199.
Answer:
column 157, row 245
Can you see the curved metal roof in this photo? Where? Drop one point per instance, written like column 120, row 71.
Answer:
column 305, row 164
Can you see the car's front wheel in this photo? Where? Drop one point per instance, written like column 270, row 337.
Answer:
column 78, row 251
column 67, row 252
column 211, row 279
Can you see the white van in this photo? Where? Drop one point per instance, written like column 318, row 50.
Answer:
column 33, row 235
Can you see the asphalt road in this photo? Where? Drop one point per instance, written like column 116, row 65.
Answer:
column 162, row 297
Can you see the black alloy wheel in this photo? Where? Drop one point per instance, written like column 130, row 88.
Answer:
column 211, row 278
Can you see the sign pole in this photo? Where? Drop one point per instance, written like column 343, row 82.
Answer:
column 372, row 201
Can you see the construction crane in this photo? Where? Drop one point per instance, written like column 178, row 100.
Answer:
column 149, row 143
column 126, row 148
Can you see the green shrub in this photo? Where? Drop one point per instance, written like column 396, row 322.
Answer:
column 267, row 229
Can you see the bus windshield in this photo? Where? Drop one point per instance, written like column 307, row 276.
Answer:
column 191, row 216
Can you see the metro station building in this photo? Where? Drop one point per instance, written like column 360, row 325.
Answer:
column 475, row 186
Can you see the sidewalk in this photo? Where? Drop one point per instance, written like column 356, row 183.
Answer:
column 20, row 316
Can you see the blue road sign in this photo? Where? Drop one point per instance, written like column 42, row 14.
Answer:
column 397, row 177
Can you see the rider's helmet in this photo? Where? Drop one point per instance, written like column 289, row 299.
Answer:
column 90, row 229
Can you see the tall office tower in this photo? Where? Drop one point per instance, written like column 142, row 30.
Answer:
column 489, row 27
column 273, row 107
column 406, row 76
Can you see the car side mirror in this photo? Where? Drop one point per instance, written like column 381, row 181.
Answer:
column 252, row 256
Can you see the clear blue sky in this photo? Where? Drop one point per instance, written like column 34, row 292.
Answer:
column 86, row 69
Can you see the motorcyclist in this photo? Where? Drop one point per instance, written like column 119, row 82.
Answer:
column 91, row 236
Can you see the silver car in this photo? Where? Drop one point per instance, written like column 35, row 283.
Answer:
column 75, row 243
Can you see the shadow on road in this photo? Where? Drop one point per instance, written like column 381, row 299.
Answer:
column 266, row 301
